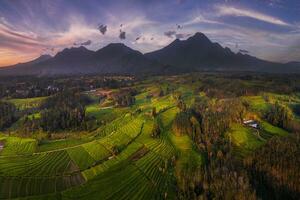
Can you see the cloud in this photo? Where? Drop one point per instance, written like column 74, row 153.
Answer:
column 122, row 35
column 145, row 43
column 200, row 19
column 89, row 42
column 18, row 44
column 238, row 12
column 182, row 35
column 102, row 28
column 243, row 51
column 86, row 43
column 170, row 34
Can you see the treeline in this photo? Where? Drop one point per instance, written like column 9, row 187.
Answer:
column 272, row 172
column 31, row 86
column 124, row 97
column 8, row 114
column 62, row 111
column 279, row 115
column 241, row 84
column 275, row 168
column 282, row 116
column 206, row 123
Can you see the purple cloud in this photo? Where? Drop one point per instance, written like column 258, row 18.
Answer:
column 102, row 28
column 122, row 35
column 170, row 33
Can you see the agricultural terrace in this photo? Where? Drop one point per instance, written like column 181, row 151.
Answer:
column 119, row 158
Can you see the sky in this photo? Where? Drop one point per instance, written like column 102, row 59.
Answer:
column 268, row 29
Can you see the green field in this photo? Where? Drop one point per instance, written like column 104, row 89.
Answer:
column 119, row 159
column 18, row 146
column 29, row 103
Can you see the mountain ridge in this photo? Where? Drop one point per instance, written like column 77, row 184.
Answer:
column 196, row 53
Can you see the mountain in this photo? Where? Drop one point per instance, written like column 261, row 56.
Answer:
column 199, row 53
column 40, row 59
column 114, row 58
column 293, row 63
column 118, row 58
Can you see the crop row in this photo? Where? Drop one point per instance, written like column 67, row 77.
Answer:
column 13, row 187
column 42, row 164
column 18, row 146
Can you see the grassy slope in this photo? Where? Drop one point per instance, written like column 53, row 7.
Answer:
column 245, row 139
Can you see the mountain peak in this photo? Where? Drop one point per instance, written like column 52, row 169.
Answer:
column 116, row 48
column 199, row 37
column 73, row 51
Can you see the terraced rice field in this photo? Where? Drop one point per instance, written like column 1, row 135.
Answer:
column 28, row 175
column 120, row 159
column 17, row 146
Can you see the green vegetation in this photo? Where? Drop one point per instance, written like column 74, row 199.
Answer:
column 246, row 139
column 276, row 167
column 273, row 129
column 17, row 146
column 28, row 103
column 173, row 137
column 7, row 114
column 258, row 103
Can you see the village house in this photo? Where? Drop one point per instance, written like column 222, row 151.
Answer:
column 251, row 123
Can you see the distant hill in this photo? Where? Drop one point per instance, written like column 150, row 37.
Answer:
column 118, row 58
column 114, row 58
column 293, row 65
column 197, row 53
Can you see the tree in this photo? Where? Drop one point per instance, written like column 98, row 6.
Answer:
column 182, row 124
column 275, row 167
column 124, row 98
column 279, row 115
column 181, row 105
column 155, row 133
column 153, row 113
column 63, row 111
column 8, row 114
